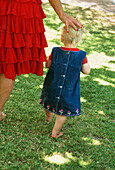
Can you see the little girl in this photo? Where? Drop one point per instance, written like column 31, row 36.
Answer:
column 61, row 90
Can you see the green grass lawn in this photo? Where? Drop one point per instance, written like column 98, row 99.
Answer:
column 88, row 141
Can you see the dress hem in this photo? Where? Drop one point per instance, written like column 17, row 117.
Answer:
column 60, row 114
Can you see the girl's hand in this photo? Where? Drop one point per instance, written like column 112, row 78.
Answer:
column 48, row 63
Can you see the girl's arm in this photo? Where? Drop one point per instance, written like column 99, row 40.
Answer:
column 85, row 68
column 66, row 19
column 48, row 63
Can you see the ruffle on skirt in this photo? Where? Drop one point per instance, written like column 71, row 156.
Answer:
column 22, row 38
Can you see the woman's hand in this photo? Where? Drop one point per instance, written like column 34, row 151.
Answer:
column 66, row 19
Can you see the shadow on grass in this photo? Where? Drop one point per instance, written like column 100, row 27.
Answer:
column 100, row 96
column 25, row 135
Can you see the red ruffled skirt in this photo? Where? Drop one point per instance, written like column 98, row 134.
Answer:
column 22, row 38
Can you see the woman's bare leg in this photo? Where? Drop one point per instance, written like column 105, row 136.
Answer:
column 60, row 120
column 49, row 115
column 6, row 86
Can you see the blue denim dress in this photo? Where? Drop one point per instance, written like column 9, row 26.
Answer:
column 61, row 89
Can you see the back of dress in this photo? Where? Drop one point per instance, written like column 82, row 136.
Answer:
column 61, row 91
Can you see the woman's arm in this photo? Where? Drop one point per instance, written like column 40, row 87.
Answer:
column 66, row 19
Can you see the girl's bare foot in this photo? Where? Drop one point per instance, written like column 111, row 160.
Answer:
column 2, row 116
column 60, row 120
column 49, row 115
column 57, row 135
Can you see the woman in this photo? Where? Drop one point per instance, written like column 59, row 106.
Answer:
column 22, row 41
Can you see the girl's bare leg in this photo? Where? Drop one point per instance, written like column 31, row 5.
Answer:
column 6, row 86
column 49, row 115
column 60, row 120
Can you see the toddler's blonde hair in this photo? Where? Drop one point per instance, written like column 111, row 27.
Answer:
column 73, row 36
